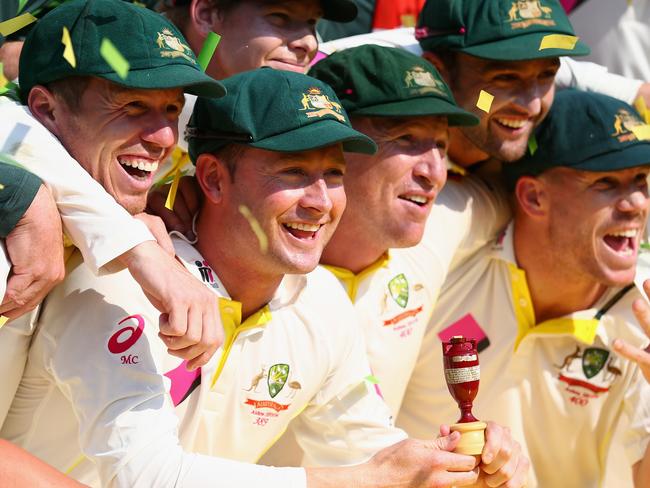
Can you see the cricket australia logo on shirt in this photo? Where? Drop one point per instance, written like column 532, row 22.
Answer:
column 588, row 373
column 316, row 104
column 403, row 322
column 277, row 382
column 524, row 13
column 420, row 81
column 172, row 47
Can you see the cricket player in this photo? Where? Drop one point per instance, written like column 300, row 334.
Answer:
column 128, row 414
column 549, row 297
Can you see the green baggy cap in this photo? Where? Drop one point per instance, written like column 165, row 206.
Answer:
column 586, row 131
column 273, row 110
column 373, row 80
column 506, row 30
column 157, row 53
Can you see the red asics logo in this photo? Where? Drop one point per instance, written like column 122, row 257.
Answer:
column 129, row 334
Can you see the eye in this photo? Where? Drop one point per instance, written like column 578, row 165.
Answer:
column 641, row 180
column 294, row 171
column 278, row 19
column 136, row 106
column 505, row 77
column 336, row 172
column 605, row 183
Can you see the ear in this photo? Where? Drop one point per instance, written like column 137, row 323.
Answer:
column 531, row 196
column 204, row 16
column 45, row 108
column 213, row 176
column 435, row 60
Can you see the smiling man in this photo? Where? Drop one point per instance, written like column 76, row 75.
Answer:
column 551, row 295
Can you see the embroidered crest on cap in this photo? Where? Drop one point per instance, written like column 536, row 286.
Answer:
column 172, row 47
column 629, row 127
column 421, row 81
column 524, row 13
column 316, row 104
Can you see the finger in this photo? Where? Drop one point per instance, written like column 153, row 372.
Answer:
column 505, row 471
column 521, row 474
column 454, row 462
column 466, row 478
column 639, row 356
column 447, row 442
column 444, row 429
column 641, row 311
column 494, row 438
column 174, row 323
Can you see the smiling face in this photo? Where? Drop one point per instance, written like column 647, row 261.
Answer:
column 278, row 34
column 523, row 93
column 390, row 193
column 120, row 136
column 596, row 221
column 297, row 199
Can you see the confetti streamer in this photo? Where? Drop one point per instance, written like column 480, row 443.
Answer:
column 641, row 107
column 68, row 52
column 532, row 144
column 372, row 379
column 3, row 79
column 255, row 227
column 207, row 51
column 171, row 196
column 21, row 5
column 3, row 320
column 12, row 25
column 558, row 41
column 114, row 58
column 485, row 101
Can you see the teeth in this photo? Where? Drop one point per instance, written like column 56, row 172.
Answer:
column 139, row 164
column 625, row 233
column 416, row 199
column 305, row 227
column 513, row 123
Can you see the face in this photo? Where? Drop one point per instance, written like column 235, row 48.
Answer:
column 523, row 93
column 120, row 136
column 390, row 193
column 281, row 35
column 297, row 198
column 596, row 221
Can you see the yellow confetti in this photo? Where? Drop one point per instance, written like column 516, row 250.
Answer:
column 485, row 101
column 372, row 379
column 558, row 41
column 171, row 196
column 2, row 187
column 3, row 320
column 68, row 52
column 12, row 25
column 641, row 107
column 114, row 58
column 255, row 227
column 642, row 132
column 3, row 79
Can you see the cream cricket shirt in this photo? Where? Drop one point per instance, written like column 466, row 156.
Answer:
column 558, row 385
column 100, row 386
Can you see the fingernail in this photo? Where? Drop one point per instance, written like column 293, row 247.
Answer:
column 487, row 458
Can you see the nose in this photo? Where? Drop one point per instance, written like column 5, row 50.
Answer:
column 304, row 40
column 530, row 96
column 431, row 168
column 634, row 202
column 316, row 197
column 160, row 130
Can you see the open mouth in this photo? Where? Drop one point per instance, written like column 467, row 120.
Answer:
column 137, row 168
column 418, row 200
column 301, row 230
column 509, row 123
column 622, row 242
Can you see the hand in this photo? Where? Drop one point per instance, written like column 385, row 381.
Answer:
column 190, row 323
column 502, row 462
column 35, row 248
column 157, row 227
column 187, row 204
column 415, row 463
column 640, row 356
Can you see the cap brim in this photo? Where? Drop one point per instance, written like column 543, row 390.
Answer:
column 319, row 134
column 522, row 48
column 191, row 80
column 421, row 106
column 628, row 157
column 339, row 10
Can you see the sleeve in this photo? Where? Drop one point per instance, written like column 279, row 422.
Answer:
column 18, row 188
column 126, row 422
column 347, row 422
column 593, row 77
column 98, row 226
column 468, row 213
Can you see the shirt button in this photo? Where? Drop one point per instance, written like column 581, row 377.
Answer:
column 229, row 310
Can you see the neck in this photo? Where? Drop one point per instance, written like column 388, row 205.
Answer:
column 462, row 151
column 244, row 283
column 351, row 250
column 554, row 289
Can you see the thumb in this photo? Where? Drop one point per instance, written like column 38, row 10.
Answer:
column 447, row 442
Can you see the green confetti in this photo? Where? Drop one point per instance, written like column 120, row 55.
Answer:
column 372, row 379
column 21, row 5
column 532, row 144
column 114, row 58
column 645, row 245
column 207, row 51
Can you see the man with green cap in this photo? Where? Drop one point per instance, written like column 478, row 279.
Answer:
column 117, row 128
column 271, row 171
column 397, row 266
column 553, row 297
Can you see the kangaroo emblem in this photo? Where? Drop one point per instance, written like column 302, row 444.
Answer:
column 256, row 380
